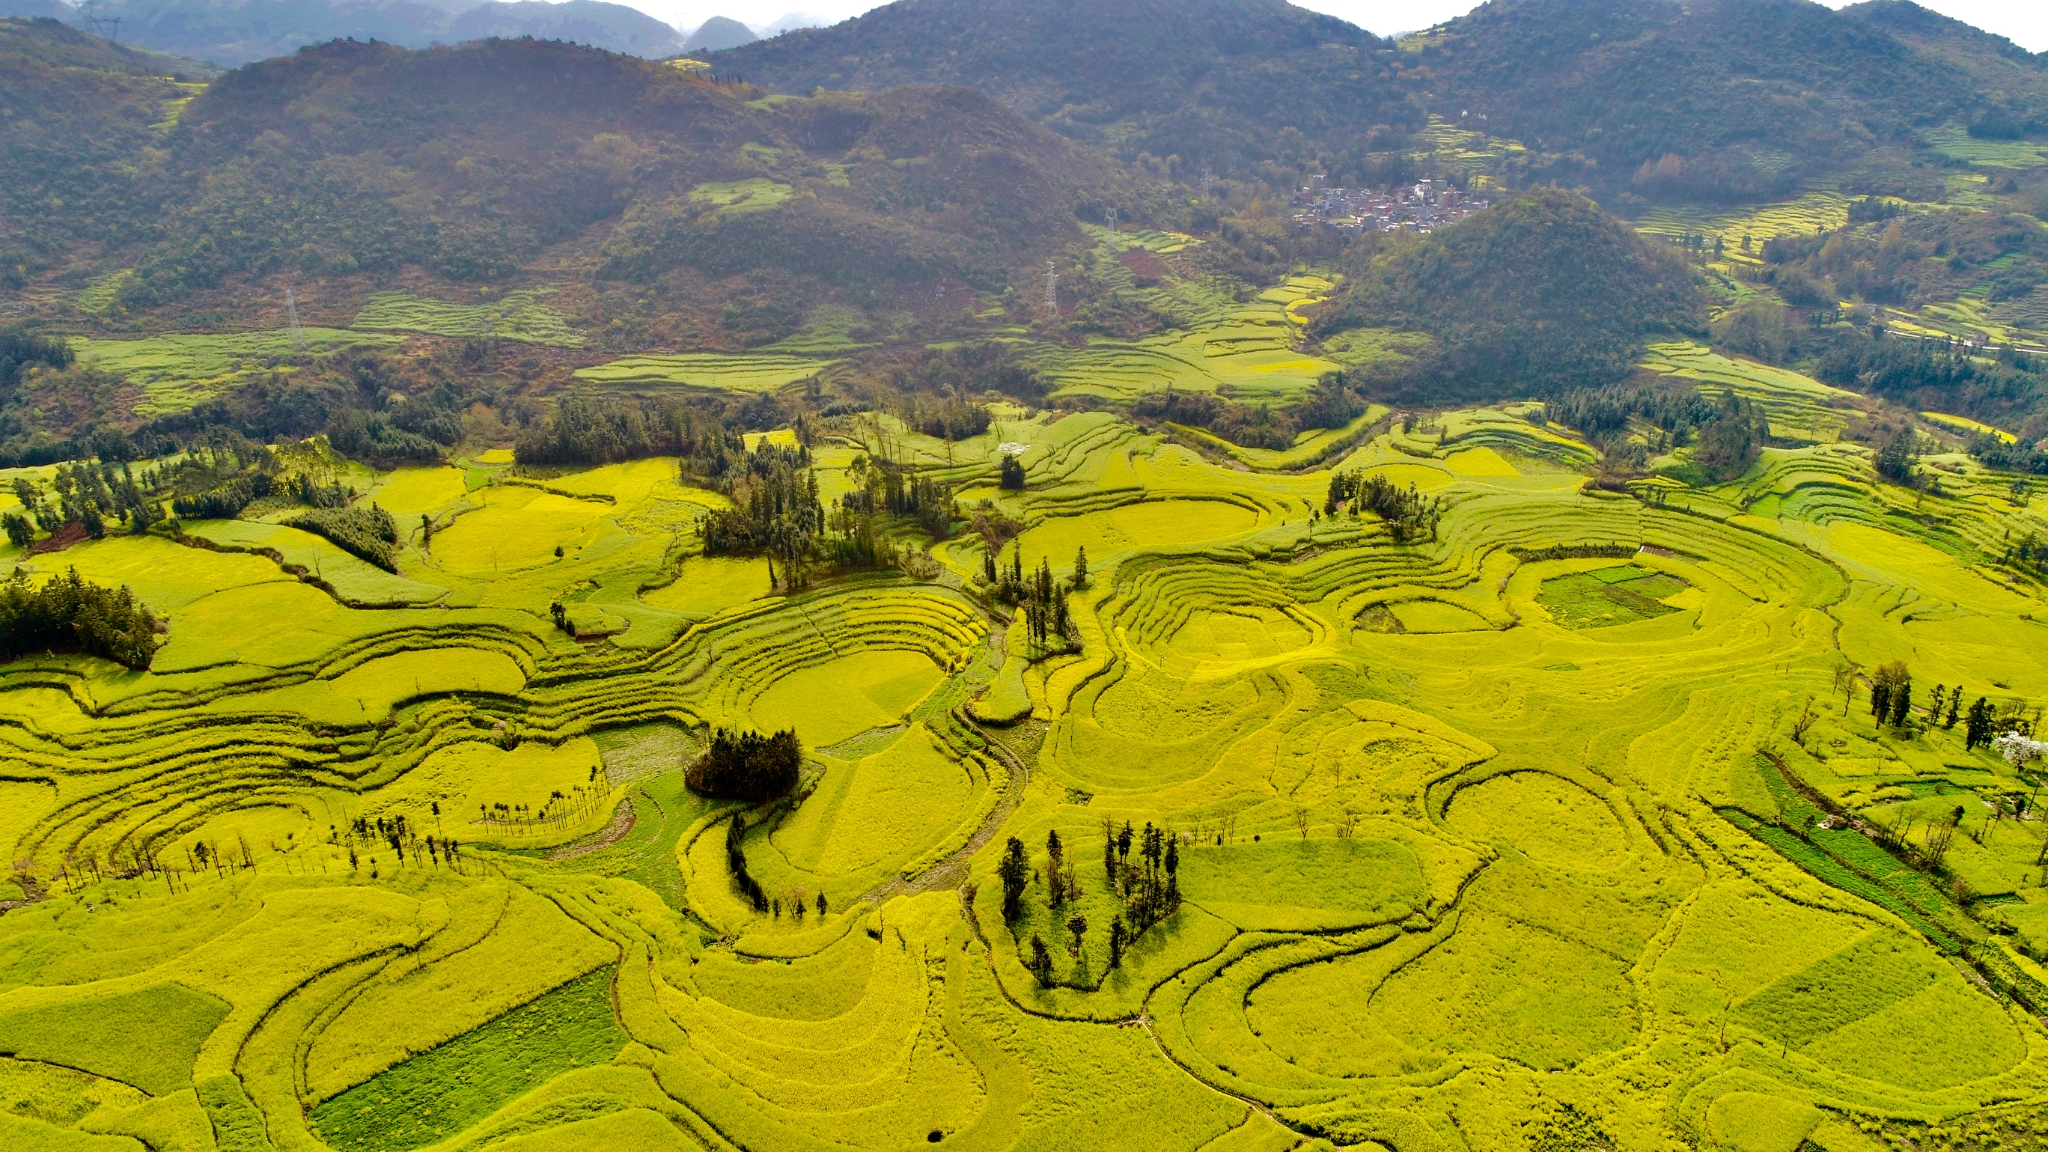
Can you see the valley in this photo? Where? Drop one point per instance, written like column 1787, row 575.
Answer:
column 874, row 589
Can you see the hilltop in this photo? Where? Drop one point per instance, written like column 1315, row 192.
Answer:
column 1748, row 97
column 1536, row 296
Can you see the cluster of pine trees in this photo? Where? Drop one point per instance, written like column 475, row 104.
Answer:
column 743, row 765
column 1042, row 597
column 69, row 614
column 86, row 495
column 881, row 486
column 606, row 430
column 365, row 531
column 1151, row 887
column 1408, row 514
column 776, row 511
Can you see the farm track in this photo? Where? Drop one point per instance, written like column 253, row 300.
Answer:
column 952, row 871
column 621, row 825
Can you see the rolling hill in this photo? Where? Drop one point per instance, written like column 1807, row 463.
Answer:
column 639, row 190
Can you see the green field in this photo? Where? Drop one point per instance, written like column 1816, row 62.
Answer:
column 1555, row 817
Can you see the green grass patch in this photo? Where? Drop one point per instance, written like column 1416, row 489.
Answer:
column 445, row 1090
column 739, row 197
column 1609, row 596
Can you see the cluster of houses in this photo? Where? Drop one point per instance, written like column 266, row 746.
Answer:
column 1420, row 207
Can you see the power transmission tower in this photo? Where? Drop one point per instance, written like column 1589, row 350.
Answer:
column 291, row 308
column 1112, row 221
column 107, row 26
column 1052, row 290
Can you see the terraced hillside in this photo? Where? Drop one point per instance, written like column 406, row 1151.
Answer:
column 1459, row 803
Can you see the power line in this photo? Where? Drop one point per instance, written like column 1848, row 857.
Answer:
column 1052, row 290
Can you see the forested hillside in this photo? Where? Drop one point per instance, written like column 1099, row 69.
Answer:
column 469, row 162
column 1749, row 96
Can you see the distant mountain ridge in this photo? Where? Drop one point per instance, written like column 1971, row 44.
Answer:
column 231, row 34
column 1749, row 96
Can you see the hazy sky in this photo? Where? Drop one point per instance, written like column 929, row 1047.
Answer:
column 2026, row 21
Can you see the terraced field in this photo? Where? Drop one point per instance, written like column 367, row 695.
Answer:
column 1555, row 825
column 178, row 371
column 518, row 315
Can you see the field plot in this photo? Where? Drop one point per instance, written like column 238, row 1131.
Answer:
column 1569, row 813
column 1743, row 231
column 518, row 315
column 1248, row 350
column 708, row 370
column 177, row 372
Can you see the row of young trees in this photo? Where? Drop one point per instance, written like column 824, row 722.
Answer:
column 1043, row 598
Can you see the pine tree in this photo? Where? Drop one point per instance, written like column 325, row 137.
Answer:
column 1117, row 935
column 1081, row 567
column 1955, row 703
column 1056, row 887
column 1041, row 961
column 1977, row 728
column 1015, row 871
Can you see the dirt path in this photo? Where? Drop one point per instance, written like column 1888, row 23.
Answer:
column 605, row 837
column 952, row 871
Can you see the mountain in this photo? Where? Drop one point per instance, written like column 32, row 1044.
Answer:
column 1540, row 294
column 1746, row 97
column 1228, row 84
column 718, row 34
column 1639, row 100
column 614, row 27
column 80, row 113
column 2013, row 80
column 351, row 161
column 790, row 21
column 232, row 33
